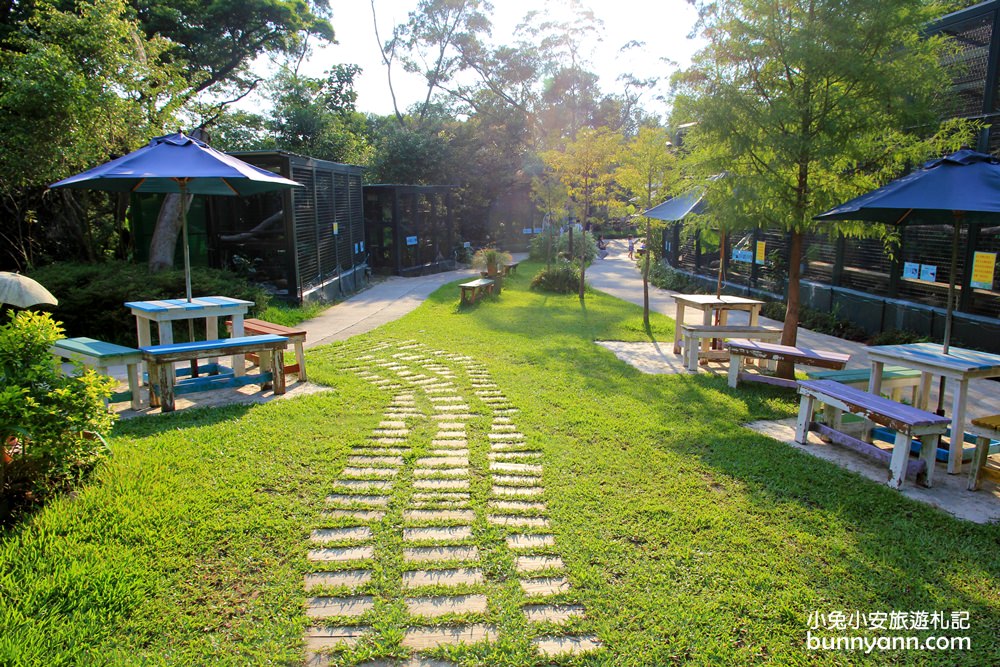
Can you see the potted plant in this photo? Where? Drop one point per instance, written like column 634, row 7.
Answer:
column 491, row 260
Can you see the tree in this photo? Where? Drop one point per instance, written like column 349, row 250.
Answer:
column 793, row 99
column 585, row 167
column 647, row 174
column 76, row 88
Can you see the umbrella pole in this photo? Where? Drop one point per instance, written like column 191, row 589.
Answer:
column 184, row 233
column 950, row 309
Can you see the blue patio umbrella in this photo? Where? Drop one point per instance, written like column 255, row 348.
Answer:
column 961, row 188
column 177, row 163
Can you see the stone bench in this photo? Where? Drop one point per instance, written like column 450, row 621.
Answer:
column 907, row 421
column 741, row 350
column 98, row 355
column 270, row 348
column 693, row 334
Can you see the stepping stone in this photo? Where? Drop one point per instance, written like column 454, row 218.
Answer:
column 441, row 472
column 448, row 452
column 505, row 437
column 544, row 586
column 455, row 484
column 507, row 411
column 391, row 432
column 465, row 576
column 504, row 428
column 514, row 456
column 370, row 450
column 355, row 534
column 512, row 520
column 451, row 435
column 421, row 639
column 439, row 605
column 392, row 424
column 375, row 460
column 446, row 399
column 523, row 480
column 319, row 638
column 352, row 471
column 538, row 563
column 430, row 554
column 518, row 491
column 362, row 485
column 450, row 443
column 530, row 540
column 442, row 461
column 439, row 515
column 550, row 613
column 437, row 534
column 517, row 506
column 325, row 607
column 352, row 578
column 349, row 499
column 515, row 467
column 341, row 554
column 502, row 420
column 452, row 425
column 446, row 496
column 388, row 441
column 555, row 646
column 460, row 407
column 360, row 515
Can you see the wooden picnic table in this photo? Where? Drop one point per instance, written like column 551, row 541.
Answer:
column 709, row 305
column 959, row 366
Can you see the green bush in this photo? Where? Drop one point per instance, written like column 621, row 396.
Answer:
column 563, row 278
column 560, row 245
column 818, row 321
column 48, row 421
column 897, row 337
column 92, row 296
column 664, row 276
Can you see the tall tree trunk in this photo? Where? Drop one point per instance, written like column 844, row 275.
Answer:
column 168, row 227
column 789, row 332
column 645, row 276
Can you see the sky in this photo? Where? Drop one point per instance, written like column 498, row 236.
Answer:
column 663, row 25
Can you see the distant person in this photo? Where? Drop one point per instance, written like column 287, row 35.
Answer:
column 631, row 247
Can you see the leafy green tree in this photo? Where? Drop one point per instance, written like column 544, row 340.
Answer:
column 647, row 174
column 794, row 99
column 586, row 166
column 76, row 89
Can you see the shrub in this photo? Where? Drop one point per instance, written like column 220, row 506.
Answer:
column 560, row 245
column 897, row 337
column 818, row 321
column 48, row 421
column 664, row 276
column 91, row 296
column 562, row 278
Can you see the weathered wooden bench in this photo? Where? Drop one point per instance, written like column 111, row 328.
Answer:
column 741, row 350
column 160, row 358
column 510, row 268
column 98, row 355
column 693, row 334
column 907, row 421
column 986, row 429
column 296, row 337
column 473, row 290
column 894, row 379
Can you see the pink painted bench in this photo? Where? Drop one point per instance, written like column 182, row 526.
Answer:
column 908, row 422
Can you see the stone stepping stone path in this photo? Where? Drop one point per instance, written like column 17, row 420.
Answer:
column 444, row 481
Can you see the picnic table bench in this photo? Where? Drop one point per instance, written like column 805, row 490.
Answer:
column 742, row 349
column 986, row 430
column 510, row 268
column 907, row 421
column 296, row 337
column 269, row 347
column 473, row 290
column 894, row 378
column 693, row 334
column 99, row 355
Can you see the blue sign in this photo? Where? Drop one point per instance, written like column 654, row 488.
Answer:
column 742, row 256
column 928, row 272
column 411, row 240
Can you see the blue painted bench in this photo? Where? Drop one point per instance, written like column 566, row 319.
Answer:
column 907, row 421
column 270, row 348
column 99, row 355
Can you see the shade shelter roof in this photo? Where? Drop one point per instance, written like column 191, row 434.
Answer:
column 674, row 209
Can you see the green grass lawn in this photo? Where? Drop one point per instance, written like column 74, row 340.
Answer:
column 688, row 538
